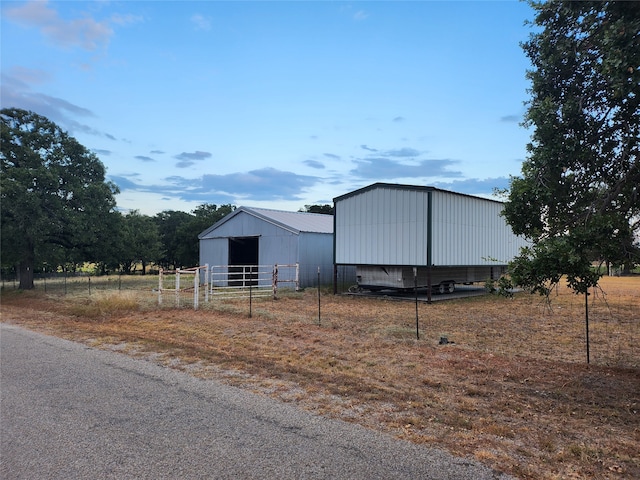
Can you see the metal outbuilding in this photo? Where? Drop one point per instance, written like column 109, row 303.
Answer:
column 386, row 230
column 258, row 236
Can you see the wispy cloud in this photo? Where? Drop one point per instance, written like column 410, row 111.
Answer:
column 511, row 118
column 16, row 92
column 84, row 32
column 475, row 186
column 187, row 159
column 23, row 77
column 125, row 19
column 384, row 168
column 144, row 159
column 99, row 151
column 401, row 153
column 201, row 22
column 332, row 156
column 360, row 15
column 259, row 185
column 197, row 155
column 314, row 164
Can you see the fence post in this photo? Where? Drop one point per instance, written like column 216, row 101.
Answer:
column 297, row 277
column 206, row 282
column 196, row 289
column 274, row 281
column 160, row 286
column 177, row 287
column 318, row 295
column 415, row 291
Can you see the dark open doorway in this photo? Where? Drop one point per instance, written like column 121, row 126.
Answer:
column 243, row 261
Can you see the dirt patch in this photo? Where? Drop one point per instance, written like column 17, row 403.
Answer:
column 514, row 390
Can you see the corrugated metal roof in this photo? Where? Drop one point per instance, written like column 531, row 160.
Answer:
column 300, row 221
column 293, row 221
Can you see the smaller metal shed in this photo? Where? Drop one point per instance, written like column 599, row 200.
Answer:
column 259, row 236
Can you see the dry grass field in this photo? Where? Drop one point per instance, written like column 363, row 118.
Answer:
column 513, row 390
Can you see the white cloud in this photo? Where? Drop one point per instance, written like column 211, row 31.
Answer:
column 384, row 168
column 85, row 32
column 360, row 15
column 23, row 77
column 201, row 22
column 128, row 19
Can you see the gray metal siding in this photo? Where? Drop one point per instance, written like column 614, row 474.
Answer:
column 470, row 231
column 388, row 225
column 245, row 225
column 382, row 226
column 214, row 251
column 281, row 249
column 317, row 251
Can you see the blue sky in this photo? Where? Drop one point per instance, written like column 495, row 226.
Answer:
column 276, row 104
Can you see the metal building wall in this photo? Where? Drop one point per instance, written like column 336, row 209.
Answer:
column 315, row 250
column 389, row 225
column 214, row 251
column 382, row 226
column 245, row 225
column 470, row 231
column 281, row 248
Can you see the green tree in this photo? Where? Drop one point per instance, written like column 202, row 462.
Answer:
column 110, row 254
column 55, row 201
column 323, row 209
column 141, row 242
column 203, row 217
column 577, row 198
column 169, row 223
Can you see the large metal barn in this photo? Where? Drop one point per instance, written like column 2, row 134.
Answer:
column 387, row 230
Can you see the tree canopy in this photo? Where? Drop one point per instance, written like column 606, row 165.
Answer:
column 202, row 218
column 56, row 205
column 140, row 242
column 323, row 209
column 577, row 199
column 169, row 223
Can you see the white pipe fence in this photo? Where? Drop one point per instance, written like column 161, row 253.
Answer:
column 196, row 272
column 233, row 281
column 230, row 281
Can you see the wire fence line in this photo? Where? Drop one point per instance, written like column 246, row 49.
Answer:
column 59, row 283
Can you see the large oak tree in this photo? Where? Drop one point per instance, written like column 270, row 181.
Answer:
column 56, row 205
column 577, row 199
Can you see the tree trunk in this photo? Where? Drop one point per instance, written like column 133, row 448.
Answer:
column 25, row 272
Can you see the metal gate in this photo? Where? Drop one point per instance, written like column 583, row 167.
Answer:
column 237, row 281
